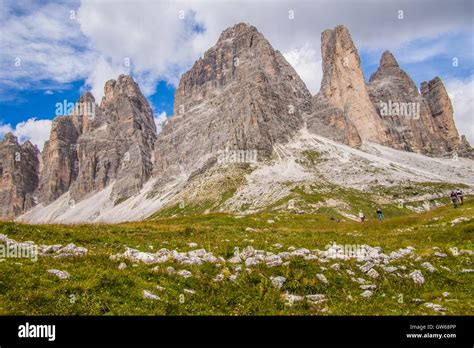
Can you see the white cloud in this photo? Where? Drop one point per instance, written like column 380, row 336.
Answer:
column 161, row 46
column 307, row 63
column 42, row 44
column 147, row 38
column 101, row 73
column 421, row 52
column 159, row 120
column 36, row 131
column 5, row 128
column 461, row 93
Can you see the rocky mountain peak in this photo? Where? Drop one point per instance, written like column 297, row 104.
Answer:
column 343, row 84
column 390, row 69
column 111, row 145
column 9, row 138
column 87, row 97
column 441, row 108
column 388, row 61
column 417, row 122
column 242, row 95
column 28, row 146
column 237, row 30
column 124, row 85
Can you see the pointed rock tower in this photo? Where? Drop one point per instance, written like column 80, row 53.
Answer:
column 343, row 86
column 417, row 122
column 18, row 176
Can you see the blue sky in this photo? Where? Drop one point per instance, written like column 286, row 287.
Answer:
column 68, row 47
column 40, row 104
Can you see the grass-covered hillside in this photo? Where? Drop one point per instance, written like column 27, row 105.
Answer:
column 229, row 278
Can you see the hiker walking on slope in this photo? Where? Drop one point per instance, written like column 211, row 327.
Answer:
column 454, row 199
column 460, row 197
column 361, row 216
column 380, row 214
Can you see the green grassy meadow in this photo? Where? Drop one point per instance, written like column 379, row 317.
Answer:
column 97, row 287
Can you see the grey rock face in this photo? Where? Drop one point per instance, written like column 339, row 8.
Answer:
column 19, row 167
column 344, row 87
column 87, row 152
column 328, row 120
column 441, row 109
column 242, row 95
column 59, row 160
column 420, row 123
column 413, row 128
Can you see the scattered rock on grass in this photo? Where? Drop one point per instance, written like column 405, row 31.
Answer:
column 278, row 281
column 435, row 307
column 59, row 274
column 417, row 277
column 316, row 298
column 290, row 299
column 367, row 287
column 149, row 295
column 429, row 266
column 373, row 273
column 322, row 278
column 220, row 277
column 389, row 269
column 184, row 273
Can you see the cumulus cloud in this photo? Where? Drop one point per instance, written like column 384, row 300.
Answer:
column 307, row 63
column 159, row 119
column 42, row 43
column 153, row 40
column 461, row 93
column 36, row 131
column 163, row 39
column 95, row 40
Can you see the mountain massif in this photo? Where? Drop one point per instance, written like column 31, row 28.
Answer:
column 241, row 96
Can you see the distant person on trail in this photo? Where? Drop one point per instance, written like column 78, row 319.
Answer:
column 454, row 199
column 460, row 197
column 361, row 216
column 380, row 214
